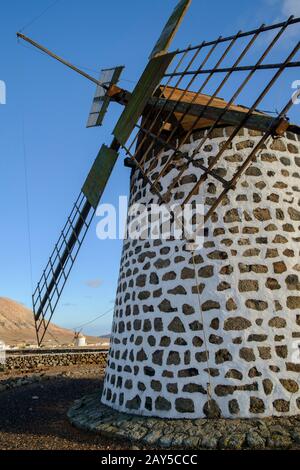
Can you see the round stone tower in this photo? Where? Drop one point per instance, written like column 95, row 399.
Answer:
column 236, row 354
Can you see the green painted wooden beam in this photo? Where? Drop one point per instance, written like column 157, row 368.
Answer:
column 140, row 96
column 99, row 175
column 170, row 28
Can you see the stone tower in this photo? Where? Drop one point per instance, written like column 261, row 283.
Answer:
column 235, row 355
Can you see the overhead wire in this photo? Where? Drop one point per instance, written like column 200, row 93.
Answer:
column 52, row 335
column 25, row 163
column 79, row 327
column 26, row 185
column 37, row 17
column 44, row 54
column 79, row 66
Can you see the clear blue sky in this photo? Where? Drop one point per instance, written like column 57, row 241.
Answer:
column 54, row 103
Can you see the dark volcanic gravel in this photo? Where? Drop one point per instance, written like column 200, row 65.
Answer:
column 41, row 423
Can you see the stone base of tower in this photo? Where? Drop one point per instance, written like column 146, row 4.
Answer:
column 264, row 433
column 234, row 354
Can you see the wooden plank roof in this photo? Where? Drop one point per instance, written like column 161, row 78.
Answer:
column 214, row 106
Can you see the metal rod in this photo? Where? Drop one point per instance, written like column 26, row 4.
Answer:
column 244, row 82
column 80, row 197
column 175, row 106
column 249, row 159
column 63, row 61
column 227, row 50
column 259, row 99
column 243, row 68
column 82, row 216
column 225, row 79
column 40, row 337
column 70, row 244
column 241, row 170
column 171, row 112
column 171, row 147
column 161, row 110
column 244, row 34
column 243, row 121
column 152, row 185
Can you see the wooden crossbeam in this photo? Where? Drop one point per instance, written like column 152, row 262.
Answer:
column 232, row 117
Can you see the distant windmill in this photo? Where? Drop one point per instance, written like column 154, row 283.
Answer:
column 187, row 146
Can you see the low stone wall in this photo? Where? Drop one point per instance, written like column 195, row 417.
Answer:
column 54, row 359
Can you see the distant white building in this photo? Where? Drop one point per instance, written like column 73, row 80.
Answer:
column 79, row 340
column 2, row 352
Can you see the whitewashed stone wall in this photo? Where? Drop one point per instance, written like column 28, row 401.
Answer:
column 248, row 273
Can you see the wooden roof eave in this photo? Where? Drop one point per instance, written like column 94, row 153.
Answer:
column 231, row 117
column 186, row 106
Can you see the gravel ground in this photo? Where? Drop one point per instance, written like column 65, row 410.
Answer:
column 34, row 416
column 31, row 423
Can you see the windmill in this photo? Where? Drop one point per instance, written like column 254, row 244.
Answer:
column 61, row 260
column 163, row 115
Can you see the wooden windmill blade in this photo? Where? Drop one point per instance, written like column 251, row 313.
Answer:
column 62, row 259
column 108, row 78
column 170, row 28
column 55, row 275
